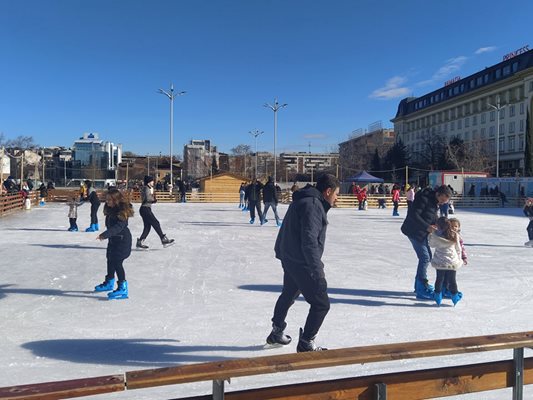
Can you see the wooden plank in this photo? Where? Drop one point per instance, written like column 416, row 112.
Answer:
column 410, row 385
column 224, row 370
column 65, row 389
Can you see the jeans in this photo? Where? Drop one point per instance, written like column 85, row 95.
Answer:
column 530, row 230
column 274, row 208
column 297, row 280
column 423, row 252
column 253, row 205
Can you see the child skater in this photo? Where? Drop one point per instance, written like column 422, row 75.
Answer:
column 528, row 212
column 92, row 196
column 447, row 258
column 117, row 210
column 73, row 213
column 456, row 226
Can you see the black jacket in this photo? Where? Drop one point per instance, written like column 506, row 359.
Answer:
column 301, row 239
column 253, row 191
column 421, row 215
column 93, row 198
column 270, row 194
column 118, row 233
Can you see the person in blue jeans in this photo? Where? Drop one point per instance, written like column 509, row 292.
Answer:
column 419, row 223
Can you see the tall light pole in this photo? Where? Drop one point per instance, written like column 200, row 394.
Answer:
column 275, row 107
column 255, row 133
column 171, row 96
column 498, row 108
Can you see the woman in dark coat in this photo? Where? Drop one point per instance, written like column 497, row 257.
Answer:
column 117, row 211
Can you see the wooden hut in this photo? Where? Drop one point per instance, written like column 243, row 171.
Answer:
column 224, row 182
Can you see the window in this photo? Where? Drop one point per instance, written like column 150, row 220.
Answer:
column 492, row 115
column 467, row 136
column 498, row 73
column 506, row 70
column 502, row 113
column 474, row 135
column 502, row 144
column 472, row 84
column 460, row 124
column 462, row 88
column 515, row 66
column 511, row 127
column 479, row 80
column 483, row 118
column 467, row 122
column 492, row 146
column 492, row 131
column 511, row 110
column 502, row 129
column 522, row 108
column 521, row 125
column 452, row 125
column 520, row 142
column 511, row 143
column 456, row 89
column 482, row 134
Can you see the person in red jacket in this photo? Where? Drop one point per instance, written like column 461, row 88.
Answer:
column 395, row 200
column 361, row 197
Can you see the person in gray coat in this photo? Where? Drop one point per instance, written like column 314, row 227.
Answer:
column 149, row 220
column 299, row 246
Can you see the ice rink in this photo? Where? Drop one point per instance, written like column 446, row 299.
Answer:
column 211, row 296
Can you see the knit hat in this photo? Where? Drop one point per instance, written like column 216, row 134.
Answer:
column 148, row 179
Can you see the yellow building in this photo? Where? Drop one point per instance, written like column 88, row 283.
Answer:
column 224, row 182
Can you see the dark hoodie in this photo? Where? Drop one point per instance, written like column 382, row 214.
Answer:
column 301, row 239
column 421, row 215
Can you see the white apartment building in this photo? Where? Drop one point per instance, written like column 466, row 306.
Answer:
column 463, row 108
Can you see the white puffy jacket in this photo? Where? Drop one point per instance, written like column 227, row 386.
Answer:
column 447, row 253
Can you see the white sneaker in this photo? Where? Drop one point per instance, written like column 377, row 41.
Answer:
column 529, row 243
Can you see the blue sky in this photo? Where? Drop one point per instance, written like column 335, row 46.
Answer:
column 74, row 66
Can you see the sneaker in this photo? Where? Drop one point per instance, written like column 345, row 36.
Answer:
column 166, row 241
column 305, row 345
column 141, row 245
column 277, row 336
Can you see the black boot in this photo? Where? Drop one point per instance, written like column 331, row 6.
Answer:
column 307, row 344
column 166, row 241
column 277, row 336
column 140, row 244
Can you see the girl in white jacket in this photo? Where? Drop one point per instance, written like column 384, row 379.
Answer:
column 446, row 259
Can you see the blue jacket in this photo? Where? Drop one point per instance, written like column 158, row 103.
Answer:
column 301, row 239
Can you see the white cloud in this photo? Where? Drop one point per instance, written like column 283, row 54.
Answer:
column 487, row 49
column 392, row 89
column 452, row 66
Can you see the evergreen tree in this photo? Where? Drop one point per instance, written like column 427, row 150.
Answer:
column 376, row 163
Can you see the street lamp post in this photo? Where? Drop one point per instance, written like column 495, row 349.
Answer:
column 275, row 107
column 255, row 133
column 171, row 96
column 498, row 107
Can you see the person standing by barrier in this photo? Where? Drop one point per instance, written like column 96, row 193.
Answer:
column 242, row 204
column 117, row 211
column 149, row 220
column 299, row 246
column 95, row 204
column 418, row 224
column 528, row 212
column 270, row 198
column 410, row 196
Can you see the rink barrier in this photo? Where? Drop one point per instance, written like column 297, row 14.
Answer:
column 13, row 202
column 406, row 385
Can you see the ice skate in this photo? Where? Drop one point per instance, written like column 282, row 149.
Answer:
column 140, row 244
column 456, row 298
column 424, row 291
column 277, row 337
column 437, row 296
column 106, row 286
column 121, row 292
column 529, row 243
column 305, row 345
column 166, row 242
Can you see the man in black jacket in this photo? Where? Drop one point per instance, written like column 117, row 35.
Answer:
column 419, row 223
column 252, row 194
column 299, row 246
column 270, row 198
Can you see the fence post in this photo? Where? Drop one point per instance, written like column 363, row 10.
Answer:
column 218, row 389
column 381, row 391
column 518, row 387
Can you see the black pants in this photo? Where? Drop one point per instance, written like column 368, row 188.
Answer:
column 149, row 221
column 73, row 223
column 94, row 213
column 395, row 209
column 253, row 205
column 530, row 230
column 114, row 265
column 447, row 276
column 297, row 280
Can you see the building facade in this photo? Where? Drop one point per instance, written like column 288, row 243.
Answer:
column 200, row 159
column 309, row 163
column 90, row 150
column 485, row 110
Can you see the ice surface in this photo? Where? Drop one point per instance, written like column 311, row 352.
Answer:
column 211, row 296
